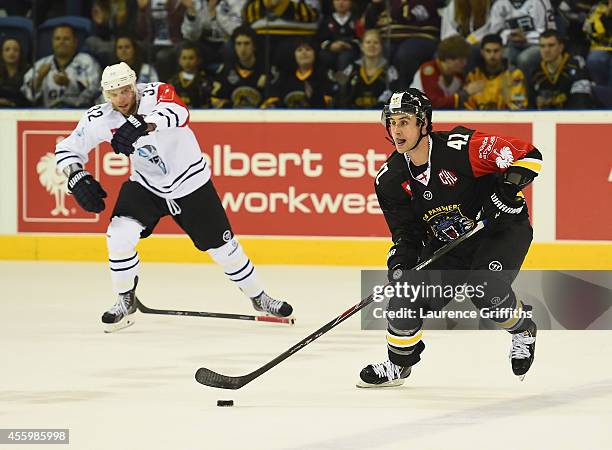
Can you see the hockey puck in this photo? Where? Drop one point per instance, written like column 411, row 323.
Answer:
column 225, row 402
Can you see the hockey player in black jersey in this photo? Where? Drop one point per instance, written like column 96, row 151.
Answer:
column 432, row 189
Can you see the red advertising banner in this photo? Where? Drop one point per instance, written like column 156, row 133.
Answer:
column 278, row 179
column 584, row 182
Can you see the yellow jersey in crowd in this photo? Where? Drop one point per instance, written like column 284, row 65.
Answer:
column 504, row 90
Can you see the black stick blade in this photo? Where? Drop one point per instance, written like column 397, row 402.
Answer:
column 213, row 379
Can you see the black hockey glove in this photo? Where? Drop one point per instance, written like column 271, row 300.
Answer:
column 502, row 203
column 124, row 138
column 87, row 191
column 400, row 259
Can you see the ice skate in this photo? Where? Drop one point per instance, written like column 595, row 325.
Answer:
column 266, row 304
column 121, row 315
column 384, row 374
column 523, row 351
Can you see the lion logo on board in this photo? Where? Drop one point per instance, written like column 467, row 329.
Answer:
column 54, row 183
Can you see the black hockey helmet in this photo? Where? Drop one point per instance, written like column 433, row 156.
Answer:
column 411, row 101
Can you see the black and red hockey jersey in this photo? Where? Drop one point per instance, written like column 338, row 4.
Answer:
column 442, row 200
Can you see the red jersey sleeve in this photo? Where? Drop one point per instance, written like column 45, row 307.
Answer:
column 490, row 153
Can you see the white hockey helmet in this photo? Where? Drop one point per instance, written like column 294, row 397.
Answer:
column 116, row 76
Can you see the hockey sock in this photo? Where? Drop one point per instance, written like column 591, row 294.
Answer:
column 237, row 266
column 121, row 238
column 404, row 346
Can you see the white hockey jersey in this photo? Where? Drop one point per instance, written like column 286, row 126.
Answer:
column 531, row 16
column 167, row 161
column 84, row 74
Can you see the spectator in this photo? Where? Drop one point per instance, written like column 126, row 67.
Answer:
column 283, row 23
column 337, row 34
column 211, row 23
column 110, row 18
column 520, row 23
column 159, row 25
column 570, row 18
column 370, row 80
column 413, row 30
column 598, row 27
column 467, row 18
column 306, row 87
column 442, row 78
column 504, row 85
column 191, row 83
column 561, row 81
column 12, row 69
column 65, row 78
column 128, row 51
column 241, row 82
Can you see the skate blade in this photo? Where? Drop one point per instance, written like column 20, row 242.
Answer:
column 387, row 384
column 123, row 323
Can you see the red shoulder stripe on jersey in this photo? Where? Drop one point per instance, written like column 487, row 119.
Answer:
column 406, row 186
column 489, row 153
column 166, row 93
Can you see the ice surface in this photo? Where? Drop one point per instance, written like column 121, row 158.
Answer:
column 135, row 389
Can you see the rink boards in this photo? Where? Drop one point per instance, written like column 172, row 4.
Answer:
column 298, row 186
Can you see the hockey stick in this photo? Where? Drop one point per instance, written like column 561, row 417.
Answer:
column 171, row 312
column 209, row 378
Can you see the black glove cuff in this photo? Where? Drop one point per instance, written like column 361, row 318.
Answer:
column 137, row 121
column 508, row 207
column 75, row 177
column 508, row 191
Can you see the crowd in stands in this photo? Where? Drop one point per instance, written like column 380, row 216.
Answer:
column 349, row 54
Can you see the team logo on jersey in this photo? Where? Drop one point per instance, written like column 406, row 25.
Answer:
column 246, row 97
column 150, row 154
column 167, row 94
column 296, row 99
column 448, row 223
column 505, row 158
column 227, row 235
column 448, row 177
column 495, row 266
column 427, row 195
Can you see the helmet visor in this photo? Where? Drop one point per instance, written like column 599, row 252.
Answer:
column 412, row 110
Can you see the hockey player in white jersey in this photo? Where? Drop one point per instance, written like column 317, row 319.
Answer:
column 149, row 123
